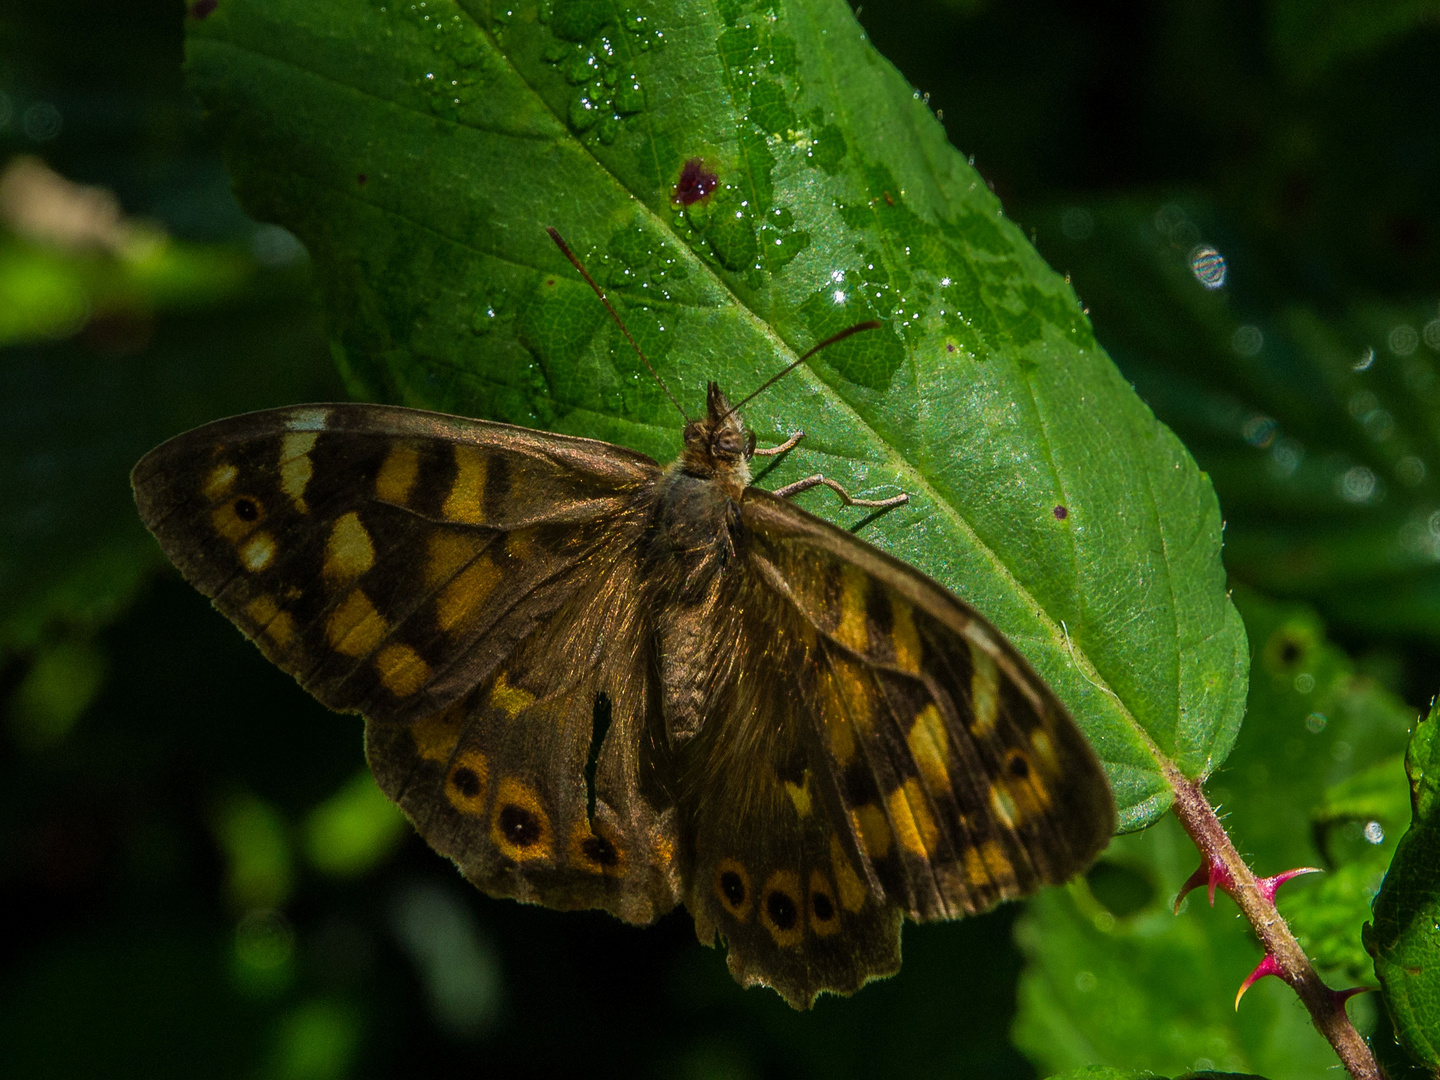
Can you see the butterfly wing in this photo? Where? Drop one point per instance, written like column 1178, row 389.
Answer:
column 442, row 576
column 890, row 755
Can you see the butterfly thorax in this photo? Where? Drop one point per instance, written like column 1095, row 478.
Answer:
column 698, row 499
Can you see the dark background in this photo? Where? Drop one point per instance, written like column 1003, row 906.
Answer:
column 159, row 915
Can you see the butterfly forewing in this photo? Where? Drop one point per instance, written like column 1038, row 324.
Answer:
column 926, row 771
column 384, row 557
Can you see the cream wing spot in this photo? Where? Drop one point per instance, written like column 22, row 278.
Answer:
column 308, row 420
column 984, row 691
column 258, row 552
column 295, row 466
column 220, row 481
column 349, row 551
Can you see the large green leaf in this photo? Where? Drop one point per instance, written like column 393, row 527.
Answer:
column 419, row 149
column 1405, row 938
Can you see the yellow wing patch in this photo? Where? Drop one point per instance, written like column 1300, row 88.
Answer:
column 465, row 501
column 914, row 823
column 349, row 552
column 355, row 627
column 930, row 747
column 397, row 474
column 401, row 669
column 277, row 625
column 511, row 700
column 463, row 597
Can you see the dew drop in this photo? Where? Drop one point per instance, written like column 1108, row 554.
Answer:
column 1208, row 266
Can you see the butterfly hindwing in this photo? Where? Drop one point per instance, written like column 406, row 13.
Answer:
column 550, row 783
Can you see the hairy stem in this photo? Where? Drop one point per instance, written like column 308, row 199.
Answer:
column 1327, row 1009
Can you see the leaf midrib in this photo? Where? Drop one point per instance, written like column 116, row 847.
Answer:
column 897, row 463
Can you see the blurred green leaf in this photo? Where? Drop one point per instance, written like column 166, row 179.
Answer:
column 76, row 414
column 1321, row 431
column 420, row 168
column 1357, row 827
column 254, row 837
column 1405, row 937
column 1310, row 36
column 1104, row 1072
column 1160, row 988
column 318, row 1040
column 354, row 830
column 61, row 683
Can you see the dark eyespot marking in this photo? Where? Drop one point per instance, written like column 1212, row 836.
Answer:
column 519, row 825
column 732, row 887
column 246, row 509
column 466, row 782
column 596, row 848
column 823, row 907
column 781, row 909
column 1018, row 766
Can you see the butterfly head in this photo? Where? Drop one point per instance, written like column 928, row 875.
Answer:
column 718, row 444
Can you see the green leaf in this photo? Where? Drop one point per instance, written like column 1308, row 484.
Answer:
column 419, row 152
column 1321, row 432
column 1104, row 1072
column 1113, row 976
column 1405, row 937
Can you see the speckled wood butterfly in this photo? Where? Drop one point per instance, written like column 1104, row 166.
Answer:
column 594, row 682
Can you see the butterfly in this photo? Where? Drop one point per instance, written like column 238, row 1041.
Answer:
column 594, row 682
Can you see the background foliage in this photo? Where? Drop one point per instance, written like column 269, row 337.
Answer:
column 201, row 879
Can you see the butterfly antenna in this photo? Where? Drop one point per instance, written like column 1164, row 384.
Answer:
column 869, row 324
column 565, row 250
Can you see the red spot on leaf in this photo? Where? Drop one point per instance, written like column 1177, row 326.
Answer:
column 361, row 179
column 202, row 8
column 695, row 183
column 1061, row 513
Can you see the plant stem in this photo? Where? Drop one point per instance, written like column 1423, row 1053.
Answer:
column 1327, row 1009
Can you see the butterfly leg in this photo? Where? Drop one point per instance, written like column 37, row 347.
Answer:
column 788, row 444
column 845, row 497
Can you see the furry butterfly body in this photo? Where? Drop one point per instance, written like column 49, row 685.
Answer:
column 594, row 682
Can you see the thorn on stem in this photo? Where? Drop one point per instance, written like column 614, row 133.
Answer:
column 1267, row 966
column 1212, row 873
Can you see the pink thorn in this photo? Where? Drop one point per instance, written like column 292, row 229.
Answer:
column 1270, row 885
column 1267, row 966
column 1210, row 872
